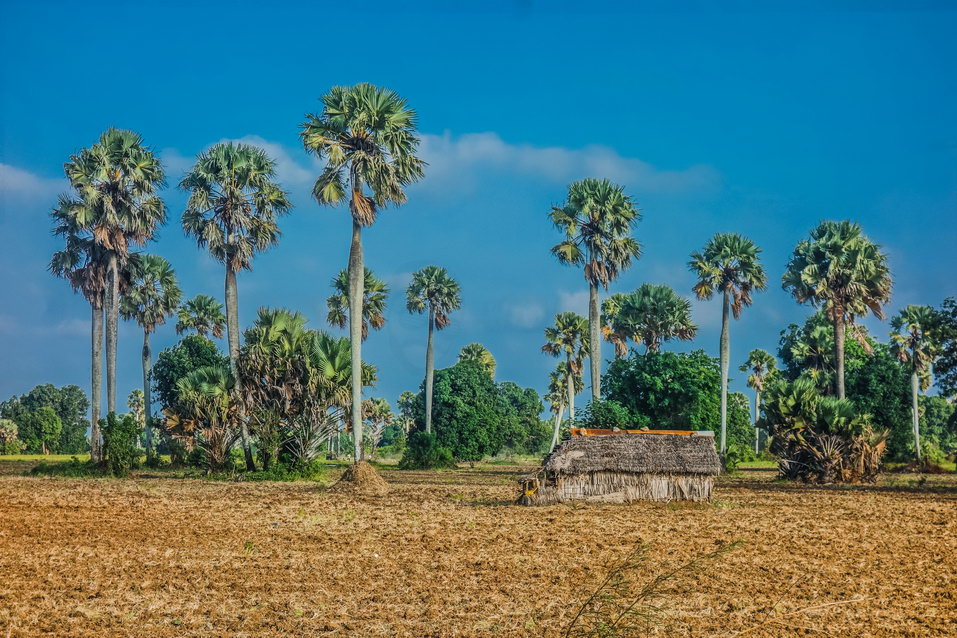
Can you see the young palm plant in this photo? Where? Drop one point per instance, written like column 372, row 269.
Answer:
column 915, row 341
column 117, row 180
column 432, row 290
column 842, row 272
column 374, row 294
column 651, row 315
column 368, row 138
column 479, row 354
column 232, row 210
column 152, row 297
column 728, row 264
column 203, row 315
column 760, row 364
column 597, row 219
column 569, row 336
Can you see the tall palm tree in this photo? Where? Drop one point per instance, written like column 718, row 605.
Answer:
column 374, row 293
column 153, row 296
column 367, row 136
column 569, row 336
column 842, row 272
column 915, row 341
column 232, row 209
column 117, row 180
column 650, row 315
column 477, row 353
column 84, row 264
column 760, row 364
column 202, row 314
column 597, row 219
column 728, row 264
column 434, row 290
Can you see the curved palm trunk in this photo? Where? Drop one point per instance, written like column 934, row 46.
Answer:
column 147, row 401
column 429, row 372
column 558, row 426
column 594, row 329
column 570, row 382
column 725, row 361
column 355, row 334
column 96, row 382
column 112, row 318
column 839, row 354
column 915, row 415
column 232, row 335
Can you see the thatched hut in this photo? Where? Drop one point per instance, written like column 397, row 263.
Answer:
column 625, row 467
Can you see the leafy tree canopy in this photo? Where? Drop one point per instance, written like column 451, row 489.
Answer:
column 191, row 353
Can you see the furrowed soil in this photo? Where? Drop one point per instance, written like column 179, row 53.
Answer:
column 446, row 554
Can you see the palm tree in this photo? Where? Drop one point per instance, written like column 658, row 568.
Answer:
column 374, row 293
column 202, row 314
column 367, row 136
column 207, row 397
column 760, row 364
column 378, row 414
column 597, row 220
column 729, row 265
column 84, row 264
column 232, row 209
column 650, row 315
column 915, row 341
column 117, row 179
column 557, row 395
column 842, row 272
column 434, row 290
column 153, row 296
column 479, row 354
column 569, row 336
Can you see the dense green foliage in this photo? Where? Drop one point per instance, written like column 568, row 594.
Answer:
column 946, row 367
column 605, row 414
column 523, row 431
column 424, row 452
column 120, row 436
column 69, row 403
column 938, row 418
column 191, row 353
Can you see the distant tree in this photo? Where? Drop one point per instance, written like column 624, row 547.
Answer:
column 569, row 337
column 68, row 402
column 651, row 315
column 597, row 220
column 191, row 353
column 203, row 315
column 479, row 354
column 377, row 413
column 10, row 442
column 40, row 430
column 940, row 424
column 761, row 366
column 557, row 396
column 915, row 342
column 945, row 370
column 522, row 428
column 374, row 294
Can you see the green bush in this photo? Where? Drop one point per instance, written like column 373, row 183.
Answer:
column 605, row 414
column 120, row 434
column 423, row 452
column 74, row 468
column 313, row 471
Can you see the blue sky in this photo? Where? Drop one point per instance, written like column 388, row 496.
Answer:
column 760, row 122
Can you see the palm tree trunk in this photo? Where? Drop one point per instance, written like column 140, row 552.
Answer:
column 570, row 381
column 96, row 382
column 356, row 282
column 558, row 425
column 915, row 415
column 594, row 328
column 232, row 336
column 429, row 372
column 147, row 402
column 757, row 415
column 839, row 354
column 112, row 318
column 725, row 361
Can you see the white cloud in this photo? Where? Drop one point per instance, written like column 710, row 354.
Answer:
column 23, row 189
column 73, row 328
column 527, row 315
column 289, row 170
column 573, row 301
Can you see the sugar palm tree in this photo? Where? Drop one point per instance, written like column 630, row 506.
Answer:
column 432, row 290
column 232, row 210
column 651, row 315
column 728, row 264
column 479, row 354
column 368, row 138
column 153, row 296
column 597, row 220
column 374, row 294
column 570, row 337
column 557, row 395
column 203, row 315
column 915, row 341
column 208, row 400
column 760, row 364
column 117, row 180
column 842, row 272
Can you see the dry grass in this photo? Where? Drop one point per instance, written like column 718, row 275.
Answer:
column 445, row 554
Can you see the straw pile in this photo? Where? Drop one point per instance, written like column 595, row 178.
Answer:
column 361, row 478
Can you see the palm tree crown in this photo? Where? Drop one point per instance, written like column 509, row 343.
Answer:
column 154, row 293
column 650, row 315
column 479, row 354
column 203, row 314
column 434, row 290
column 761, row 365
column 569, row 337
column 914, row 339
column 729, row 263
column 374, row 292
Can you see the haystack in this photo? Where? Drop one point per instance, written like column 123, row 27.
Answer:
column 361, row 478
column 625, row 467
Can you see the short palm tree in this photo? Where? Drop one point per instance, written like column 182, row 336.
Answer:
column 915, row 341
column 651, row 315
column 203, row 315
column 479, row 354
column 374, row 294
column 432, row 290
column 116, row 180
column 597, row 220
column 760, row 364
column 232, row 210
column 570, row 337
column 845, row 274
column 207, row 398
column 152, row 297
column 557, row 395
column 368, row 138
column 728, row 264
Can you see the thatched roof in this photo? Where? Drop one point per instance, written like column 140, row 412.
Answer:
column 652, row 453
